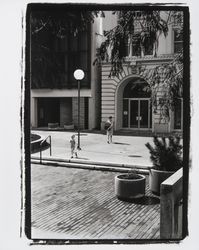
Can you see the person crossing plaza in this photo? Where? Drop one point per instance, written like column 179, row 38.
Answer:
column 73, row 146
column 109, row 129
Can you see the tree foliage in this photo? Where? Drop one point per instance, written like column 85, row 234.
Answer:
column 47, row 27
column 166, row 154
column 151, row 26
column 142, row 27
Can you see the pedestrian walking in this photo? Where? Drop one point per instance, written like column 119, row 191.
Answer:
column 109, row 129
column 73, row 146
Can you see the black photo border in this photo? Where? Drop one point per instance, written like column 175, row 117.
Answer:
column 25, row 115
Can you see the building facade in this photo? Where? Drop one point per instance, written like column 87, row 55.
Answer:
column 124, row 98
column 57, row 102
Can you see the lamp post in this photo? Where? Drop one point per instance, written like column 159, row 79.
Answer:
column 78, row 75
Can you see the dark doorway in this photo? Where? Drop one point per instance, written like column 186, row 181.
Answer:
column 48, row 111
column 137, row 112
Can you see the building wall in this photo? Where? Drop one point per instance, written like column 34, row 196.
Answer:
column 112, row 92
column 95, row 101
column 33, row 107
column 66, row 103
column 112, row 88
column 93, row 93
column 75, row 112
column 65, row 111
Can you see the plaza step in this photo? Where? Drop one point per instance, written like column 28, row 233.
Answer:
column 75, row 163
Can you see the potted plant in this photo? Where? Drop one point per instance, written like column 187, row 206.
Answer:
column 166, row 156
column 130, row 186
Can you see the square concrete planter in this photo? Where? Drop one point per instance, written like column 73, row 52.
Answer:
column 69, row 126
column 156, row 177
column 53, row 125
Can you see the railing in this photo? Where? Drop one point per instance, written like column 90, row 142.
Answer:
column 40, row 148
column 171, row 207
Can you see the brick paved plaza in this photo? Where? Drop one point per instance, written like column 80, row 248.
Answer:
column 70, row 203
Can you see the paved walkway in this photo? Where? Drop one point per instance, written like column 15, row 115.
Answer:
column 129, row 150
column 69, row 203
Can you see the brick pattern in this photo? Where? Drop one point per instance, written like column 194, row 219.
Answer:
column 82, row 205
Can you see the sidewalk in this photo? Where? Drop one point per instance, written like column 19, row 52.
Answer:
column 125, row 150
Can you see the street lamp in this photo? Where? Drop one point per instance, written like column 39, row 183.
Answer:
column 78, row 75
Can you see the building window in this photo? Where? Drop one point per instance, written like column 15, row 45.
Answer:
column 178, row 114
column 74, row 51
column 54, row 59
column 178, row 41
column 148, row 48
column 133, row 46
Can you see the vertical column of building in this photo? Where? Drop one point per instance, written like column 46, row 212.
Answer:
column 94, row 101
column 34, row 121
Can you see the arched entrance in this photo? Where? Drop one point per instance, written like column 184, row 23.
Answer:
column 136, row 111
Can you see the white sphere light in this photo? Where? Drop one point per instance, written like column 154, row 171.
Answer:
column 79, row 74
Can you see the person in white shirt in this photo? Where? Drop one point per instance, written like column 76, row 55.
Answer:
column 73, row 146
column 109, row 124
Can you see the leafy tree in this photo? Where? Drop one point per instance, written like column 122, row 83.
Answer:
column 48, row 26
column 151, row 26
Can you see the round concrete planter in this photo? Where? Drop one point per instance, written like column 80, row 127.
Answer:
column 130, row 186
column 156, row 177
column 35, row 143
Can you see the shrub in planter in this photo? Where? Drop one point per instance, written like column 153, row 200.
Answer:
column 130, row 186
column 166, row 156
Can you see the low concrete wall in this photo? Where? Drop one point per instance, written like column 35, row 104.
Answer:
column 171, row 192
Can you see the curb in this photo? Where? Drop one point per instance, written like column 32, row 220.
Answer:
column 79, row 161
column 69, row 164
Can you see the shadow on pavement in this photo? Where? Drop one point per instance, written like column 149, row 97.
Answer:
column 43, row 148
column 81, row 134
column 134, row 156
column 120, row 143
column 146, row 200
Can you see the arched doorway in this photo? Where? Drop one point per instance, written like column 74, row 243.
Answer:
column 137, row 112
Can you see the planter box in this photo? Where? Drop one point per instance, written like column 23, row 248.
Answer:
column 71, row 126
column 156, row 177
column 129, row 187
column 53, row 125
